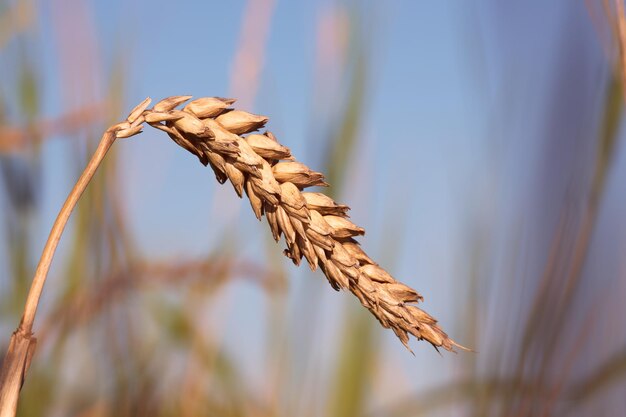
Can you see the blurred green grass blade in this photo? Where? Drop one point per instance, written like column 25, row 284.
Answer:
column 458, row 393
column 603, row 377
column 28, row 92
column 40, row 391
column 354, row 365
column 174, row 323
column 345, row 139
column 606, row 144
column 608, row 135
column 216, row 366
column 355, row 362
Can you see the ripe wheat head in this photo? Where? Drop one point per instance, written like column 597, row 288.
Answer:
column 314, row 226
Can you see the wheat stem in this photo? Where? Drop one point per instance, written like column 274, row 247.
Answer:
column 41, row 273
column 22, row 344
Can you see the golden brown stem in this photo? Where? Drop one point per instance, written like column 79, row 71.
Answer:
column 23, row 343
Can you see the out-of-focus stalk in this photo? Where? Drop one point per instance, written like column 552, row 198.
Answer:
column 620, row 21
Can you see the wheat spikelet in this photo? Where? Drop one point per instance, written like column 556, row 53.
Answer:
column 314, row 226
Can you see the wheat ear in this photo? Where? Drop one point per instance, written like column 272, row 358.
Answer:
column 313, row 225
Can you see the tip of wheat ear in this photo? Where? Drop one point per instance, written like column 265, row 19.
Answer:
column 314, row 227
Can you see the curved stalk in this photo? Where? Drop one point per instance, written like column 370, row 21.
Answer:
column 22, row 344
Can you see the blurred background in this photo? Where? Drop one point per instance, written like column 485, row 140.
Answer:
column 479, row 143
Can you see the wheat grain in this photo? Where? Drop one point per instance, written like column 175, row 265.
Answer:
column 313, row 225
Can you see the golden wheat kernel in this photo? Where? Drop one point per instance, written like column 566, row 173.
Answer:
column 432, row 336
column 220, row 175
column 126, row 133
column 224, row 149
column 294, row 253
column 322, row 241
column 287, row 169
column 205, row 107
column 325, row 205
column 351, row 272
column 292, row 171
column 255, row 201
column 271, row 136
column 340, row 255
column 239, row 122
column 336, row 274
column 297, row 225
column 158, row 117
column 221, row 134
column 291, row 196
column 247, row 154
column 366, row 284
column 236, row 177
column 319, row 224
column 270, row 215
column 216, row 159
column 308, row 252
column 420, row 315
column 285, row 225
column 403, row 292
column 354, row 249
column 387, row 301
column 251, row 170
column 263, row 188
column 138, row 121
column 301, row 214
column 315, row 200
column 191, row 125
column 320, row 252
column 376, row 273
column 343, row 227
column 170, row 103
column 136, row 112
column 297, row 173
column 267, row 148
column 257, row 140
column 268, row 180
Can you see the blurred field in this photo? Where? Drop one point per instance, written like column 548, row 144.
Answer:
column 479, row 143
